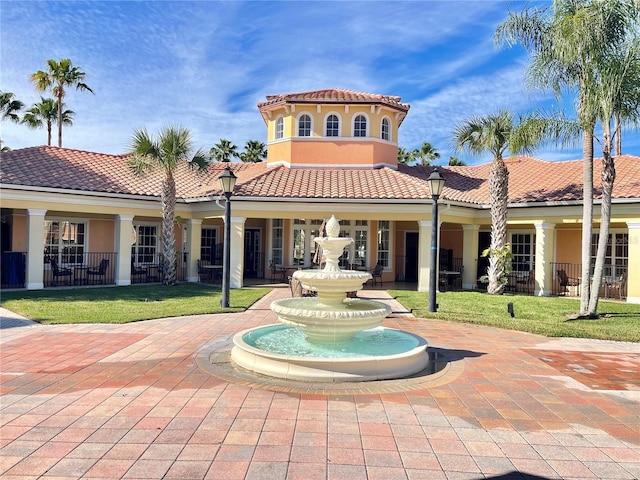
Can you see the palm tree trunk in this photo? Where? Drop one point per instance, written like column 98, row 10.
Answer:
column 618, row 134
column 60, row 94
column 587, row 217
column 608, row 178
column 49, row 133
column 499, row 198
column 168, row 232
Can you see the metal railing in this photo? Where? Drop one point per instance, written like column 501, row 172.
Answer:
column 89, row 268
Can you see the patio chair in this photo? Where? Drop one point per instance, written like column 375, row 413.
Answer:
column 59, row 272
column 277, row 272
column 204, row 274
column 616, row 285
column 297, row 290
column 376, row 274
column 568, row 284
column 100, row 271
column 136, row 271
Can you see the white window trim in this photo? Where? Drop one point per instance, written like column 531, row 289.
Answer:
column 275, row 127
column 324, row 124
column 390, row 139
column 298, row 125
column 353, row 125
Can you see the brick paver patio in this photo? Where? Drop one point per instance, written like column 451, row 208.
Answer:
column 137, row 401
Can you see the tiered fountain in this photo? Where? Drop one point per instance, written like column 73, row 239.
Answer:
column 330, row 338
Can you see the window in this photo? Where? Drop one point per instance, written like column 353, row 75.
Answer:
column 355, row 255
column 64, row 241
column 304, row 126
column 333, row 126
column 617, row 254
column 360, row 126
column 145, row 250
column 210, row 251
column 384, row 243
column 523, row 249
column 277, row 244
column 384, row 129
column 304, row 245
column 280, row 128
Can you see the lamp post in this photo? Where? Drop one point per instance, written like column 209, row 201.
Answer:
column 228, row 182
column 436, row 184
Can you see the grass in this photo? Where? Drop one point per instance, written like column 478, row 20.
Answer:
column 125, row 304
column 550, row 316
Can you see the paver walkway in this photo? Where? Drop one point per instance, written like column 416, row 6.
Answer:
column 130, row 401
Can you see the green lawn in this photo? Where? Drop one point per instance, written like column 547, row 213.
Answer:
column 125, row 304
column 550, row 316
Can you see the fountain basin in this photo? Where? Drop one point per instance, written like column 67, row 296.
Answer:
column 332, row 323
column 282, row 351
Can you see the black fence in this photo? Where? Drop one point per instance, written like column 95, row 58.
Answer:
column 90, row 268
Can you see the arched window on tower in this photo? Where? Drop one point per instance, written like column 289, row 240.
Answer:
column 280, row 128
column 304, row 126
column 384, row 129
column 332, row 126
column 360, row 126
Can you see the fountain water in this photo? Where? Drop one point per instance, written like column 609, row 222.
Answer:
column 330, row 338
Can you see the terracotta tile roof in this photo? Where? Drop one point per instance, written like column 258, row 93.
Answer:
column 535, row 180
column 68, row 169
column 335, row 95
column 333, row 183
column 530, row 179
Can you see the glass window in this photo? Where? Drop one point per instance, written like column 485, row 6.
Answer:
column 64, row 241
column 277, row 237
column 145, row 250
column 522, row 249
column 617, row 254
column 333, row 126
column 384, row 129
column 360, row 126
column 304, row 126
column 280, row 128
column 210, row 251
column 384, row 243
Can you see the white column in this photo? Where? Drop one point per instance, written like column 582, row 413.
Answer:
column 35, row 249
column 124, row 230
column 237, row 252
column 633, row 272
column 194, row 242
column 424, row 254
column 470, row 240
column 545, row 242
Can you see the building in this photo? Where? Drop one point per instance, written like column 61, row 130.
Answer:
column 329, row 152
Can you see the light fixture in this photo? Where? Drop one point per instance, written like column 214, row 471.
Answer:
column 436, row 185
column 227, row 182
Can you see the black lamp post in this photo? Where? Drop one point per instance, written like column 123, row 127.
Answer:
column 228, row 182
column 436, row 184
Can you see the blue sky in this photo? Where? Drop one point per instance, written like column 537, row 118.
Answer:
column 206, row 64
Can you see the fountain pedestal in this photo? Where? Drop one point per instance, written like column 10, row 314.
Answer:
column 330, row 337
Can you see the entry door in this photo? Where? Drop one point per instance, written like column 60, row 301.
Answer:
column 252, row 250
column 411, row 257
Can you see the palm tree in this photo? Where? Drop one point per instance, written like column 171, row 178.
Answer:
column 9, row 106
column 254, row 152
column 455, row 161
column 57, row 78
column 615, row 98
column 404, row 157
column 165, row 152
column 46, row 113
column 567, row 43
column 496, row 134
column 223, row 151
column 426, row 154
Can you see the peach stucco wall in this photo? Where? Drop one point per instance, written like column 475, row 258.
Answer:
column 19, row 233
column 568, row 246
